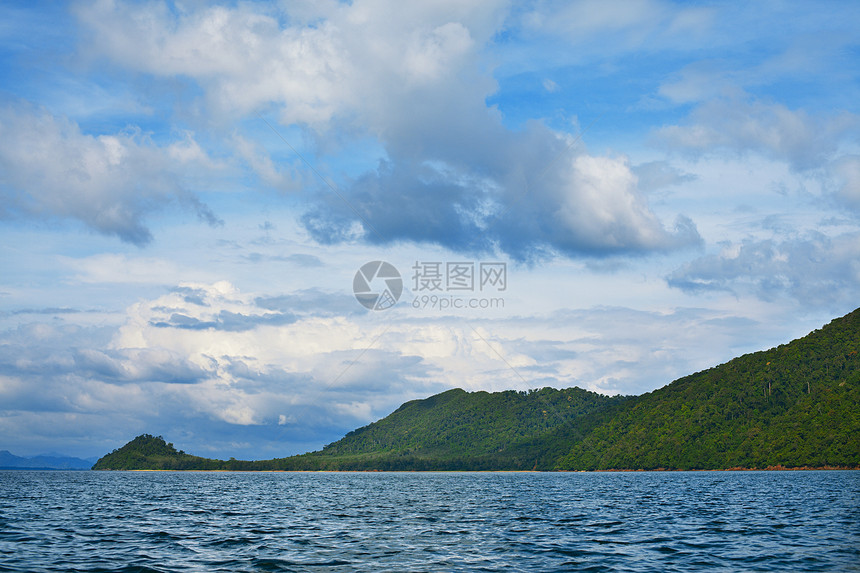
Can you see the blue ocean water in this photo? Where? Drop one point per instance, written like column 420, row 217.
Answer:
column 661, row 521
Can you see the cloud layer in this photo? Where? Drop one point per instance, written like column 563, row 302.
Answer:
column 289, row 380
column 452, row 173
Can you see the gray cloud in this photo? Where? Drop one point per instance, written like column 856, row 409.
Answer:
column 48, row 310
column 195, row 296
column 740, row 124
column 315, row 301
column 526, row 194
column 226, row 321
column 817, row 271
column 66, row 389
column 138, row 365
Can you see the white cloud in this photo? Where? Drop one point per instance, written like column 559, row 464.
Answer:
column 261, row 163
column 246, row 60
column 112, row 268
column 605, row 203
column 430, row 55
column 818, row 151
column 412, row 76
column 846, row 172
column 109, row 182
column 371, row 364
column 620, row 25
column 701, row 81
column 594, row 17
column 741, row 125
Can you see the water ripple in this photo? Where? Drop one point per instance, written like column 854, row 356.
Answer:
column 337, row 522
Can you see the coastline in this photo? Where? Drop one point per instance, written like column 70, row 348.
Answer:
column 777, row 468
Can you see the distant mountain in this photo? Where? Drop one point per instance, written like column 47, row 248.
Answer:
column 793, row 406
column 9, row 461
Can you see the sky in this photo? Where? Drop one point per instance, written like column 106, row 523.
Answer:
column 196, row 199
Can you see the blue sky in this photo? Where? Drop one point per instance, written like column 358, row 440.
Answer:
column 187, row 190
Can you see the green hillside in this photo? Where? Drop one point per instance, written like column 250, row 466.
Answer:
column 152, row 453
column 795, row 405
column 479, row 430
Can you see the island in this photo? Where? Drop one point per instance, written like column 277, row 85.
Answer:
column 793, row 406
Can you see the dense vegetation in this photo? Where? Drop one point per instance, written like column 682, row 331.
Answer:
column 794, row 405
column 153, row 453
column 462, row 430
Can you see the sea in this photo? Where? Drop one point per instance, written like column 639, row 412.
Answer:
column 148, row 522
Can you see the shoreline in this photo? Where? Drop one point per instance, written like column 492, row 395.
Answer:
column 776, row 468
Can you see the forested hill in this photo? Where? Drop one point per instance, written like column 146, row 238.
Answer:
column 479, row 430
column 795, row 405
